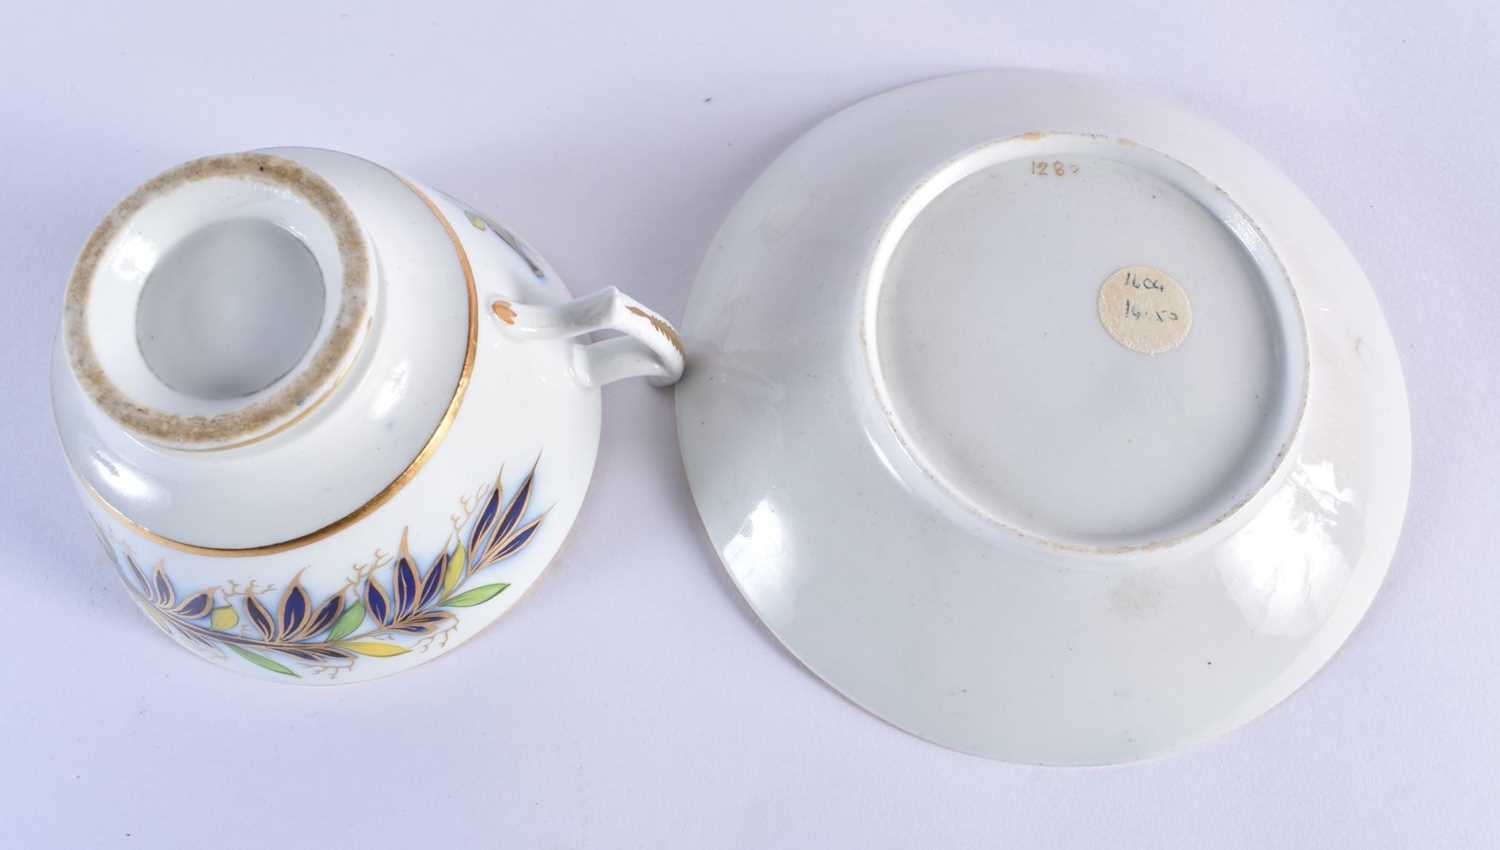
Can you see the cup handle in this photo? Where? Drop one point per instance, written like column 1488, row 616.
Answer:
column 647, row 346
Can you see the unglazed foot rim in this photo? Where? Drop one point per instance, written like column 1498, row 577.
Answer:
column 289, row 396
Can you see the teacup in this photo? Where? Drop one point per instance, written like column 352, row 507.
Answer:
column 329, row 422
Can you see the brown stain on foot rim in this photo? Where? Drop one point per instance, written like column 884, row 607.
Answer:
column 198, row 431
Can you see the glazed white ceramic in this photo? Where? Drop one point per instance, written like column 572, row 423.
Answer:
column 329, row 422
column 1043, row 419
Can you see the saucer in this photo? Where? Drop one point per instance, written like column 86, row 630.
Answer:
column 1043, row 419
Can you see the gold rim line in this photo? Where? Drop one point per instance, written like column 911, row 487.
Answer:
column 385, row 495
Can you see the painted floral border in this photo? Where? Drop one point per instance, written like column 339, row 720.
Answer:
column 389, row 606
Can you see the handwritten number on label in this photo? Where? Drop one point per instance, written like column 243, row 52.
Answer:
column 1144, row 282
column 1134, row 311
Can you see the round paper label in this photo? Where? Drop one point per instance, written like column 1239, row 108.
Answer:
column 1145, row 310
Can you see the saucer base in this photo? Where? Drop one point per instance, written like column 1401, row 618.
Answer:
column 1083, row 340
column 914, row 399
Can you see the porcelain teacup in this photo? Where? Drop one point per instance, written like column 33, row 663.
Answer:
column 329, row 422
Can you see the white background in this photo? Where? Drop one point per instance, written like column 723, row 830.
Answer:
column 633, row 701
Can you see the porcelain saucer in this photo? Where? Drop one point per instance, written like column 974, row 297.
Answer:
column 1043, row 419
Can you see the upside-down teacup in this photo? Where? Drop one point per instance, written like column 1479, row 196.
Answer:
column 329, row 422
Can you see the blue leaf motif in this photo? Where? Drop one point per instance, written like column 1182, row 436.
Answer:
column 411, row 602
column 516, row 542
column 517, row 507
column 326, row 614
column 378, row 603
column 316, row 653
column 406, row 585
column 486, row 518
column 260, row 616
column 196, row 606
column 433, row 583
column 295, row 605
column 164, row 593
column 425, row 623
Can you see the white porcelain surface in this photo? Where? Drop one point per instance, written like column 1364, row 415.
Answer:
column 421, row 485
column 1043, row 419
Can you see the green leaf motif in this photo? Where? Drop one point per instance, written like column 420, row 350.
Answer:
column 477, row 596
column 348, row 622
column 262, row 661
